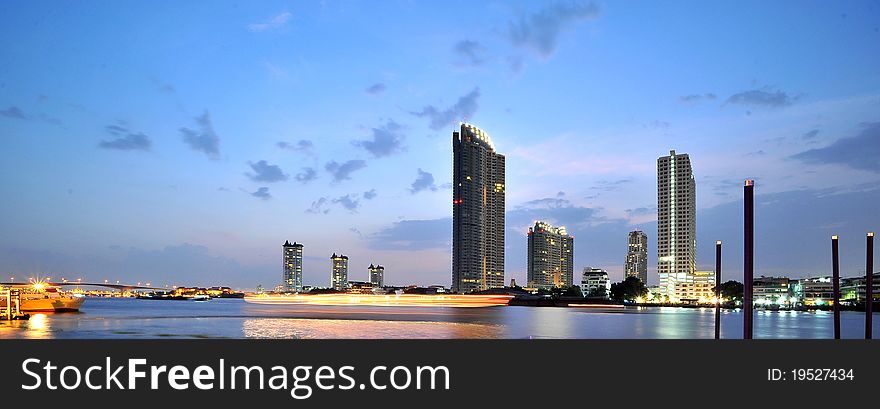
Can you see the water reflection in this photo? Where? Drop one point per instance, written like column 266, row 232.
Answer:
column 365, row 329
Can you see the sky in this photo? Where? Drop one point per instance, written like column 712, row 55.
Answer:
column 181, row 143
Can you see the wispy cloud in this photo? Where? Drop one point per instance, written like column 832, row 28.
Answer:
column 262, row 193
column 124, row 139
column 13, row 112
column 370, row 194
column 763, row 97
column 302, row 146
column 264, row 172
column 307, row 175
column 317, row 206
column 540, row 31
column 858, row 152
column 463, row 110
column 376, row 89
column 203, row 139
column 424, row 181
column 387, row 140
column 469, row 53
column 349, row 202
column 343, row 171
column 698, row 97
column 273, row 23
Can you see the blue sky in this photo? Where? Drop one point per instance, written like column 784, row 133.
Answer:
column 184, row 142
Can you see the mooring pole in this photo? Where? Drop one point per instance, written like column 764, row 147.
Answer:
column 869, row 286
column 748, row 255
column 718, row 289
column 835, row 286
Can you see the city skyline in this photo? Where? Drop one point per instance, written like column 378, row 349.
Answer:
column 136, row 149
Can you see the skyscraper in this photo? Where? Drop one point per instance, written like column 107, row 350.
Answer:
column 377, row 275
column 477, row 211
column 676, row 222
column 637, row 256
column 339, row 272
column 551, row 256
column 291, row 272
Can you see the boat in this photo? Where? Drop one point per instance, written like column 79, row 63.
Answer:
column 39, row 297
column 200, row 297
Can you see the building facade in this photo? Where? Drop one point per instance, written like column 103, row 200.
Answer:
column 676, row 223
column 595, row 283
column 377, row 275
column 813, row 291
column 339, row 272
column 636, row 264
column 292, row 271
column 853, row 290
column 550, row 256
column 477, row 212
column 771, row 291
column 698, row 287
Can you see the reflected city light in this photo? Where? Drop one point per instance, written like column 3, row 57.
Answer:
column 390, row 300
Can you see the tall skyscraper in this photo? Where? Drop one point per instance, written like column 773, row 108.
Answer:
column 292, row 272
column 551, row 256
column 377, row 275
column 676, row 222
column 339, row 272
column 637, row 256
column 477, row 212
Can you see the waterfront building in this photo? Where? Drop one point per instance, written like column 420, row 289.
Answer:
column 853, row 289
column 676, row 224
column 550, row 256
column 377, row 275
column 655, row 294
column 813, row 292
column 770, row 291
column 595, row 283
column 477, row 211
column 292, row 270
column 339, row 272
column 698, row 287
column 361, row 287
column 636, row 264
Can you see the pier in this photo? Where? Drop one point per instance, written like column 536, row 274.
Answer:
column 12, row 307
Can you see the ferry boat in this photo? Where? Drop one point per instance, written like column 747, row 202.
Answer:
column 39, row 297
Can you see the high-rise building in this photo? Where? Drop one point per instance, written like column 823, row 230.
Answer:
column 339, row 272
column 676, row 222
column 292, row 272
column 377, row 275
column 595, row 283
column 637, row 256
column 551, row 256
column 477, row 212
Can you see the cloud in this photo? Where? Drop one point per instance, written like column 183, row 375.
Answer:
column 307, row 175
column 387, row 140
column 410, row 235
column 698, row 97
column 317, row 206
column 264, row 172
column 858, row 152
column 376, row 89
column 370, row 194
column 554, row 210
column 271, row 24
column 611, row 185
column 469, row 53
column 13, row 112
column 303, row 146
column 763, row 97
column 463, row 109
column 658, row 124
column 540, row 31
column 810, row 135
column 204, row 139
column 125, row 139
column 424, row 181
column 343, row 171
column 262, row 193
column 349, row 202
column 515, row 63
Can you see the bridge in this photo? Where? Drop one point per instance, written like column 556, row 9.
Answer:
column 121, row 287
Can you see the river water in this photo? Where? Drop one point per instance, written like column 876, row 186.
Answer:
column 235, row 318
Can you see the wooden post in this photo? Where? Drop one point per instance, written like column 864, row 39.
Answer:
column 835, row 285
column 718, row 289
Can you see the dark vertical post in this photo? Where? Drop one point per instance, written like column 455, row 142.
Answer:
column 718, row 289
column 869, row 287
column 748, row 255
column 835, row 286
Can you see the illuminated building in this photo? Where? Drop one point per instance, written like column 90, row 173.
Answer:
column 853, row 289
column 698, row 287
column 477, row 212
column 292, row 273
column 595, row 283
column 360, row 287
column 676, row 223
column 813, row 292
column 339, row 272
column 637, row 256
column 550, row 259
column 771, row 291
column 377, row 275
